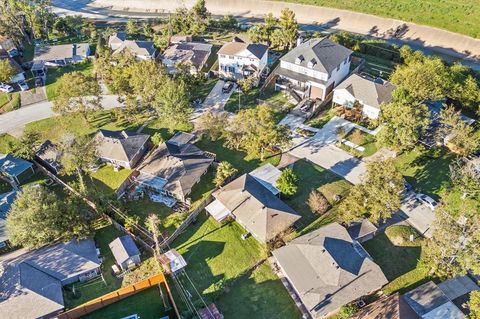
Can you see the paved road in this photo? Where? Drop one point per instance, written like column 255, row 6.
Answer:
column 14, row 122
column 430, row 40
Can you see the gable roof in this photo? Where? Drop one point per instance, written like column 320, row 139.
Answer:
column 249, row 50
column 369, row 92
column 426, row 298
column 13, row 166
column 328, row 269
column 361, row 228
column 60, row 51
column 327, row 54
column 117, row 38
column 388, row 307
column 6, row 201
column 188, row 52
column 177, row 164
column 267, row 175
column 123, row 248
column 256, row 207
column 144, row 48
column 31, row 282
column 120, row 146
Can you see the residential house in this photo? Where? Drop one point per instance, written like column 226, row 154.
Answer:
column 174, row 167
column 49, row 156
column 313, row 69
column 431, row 301
column 121, row 149
column 61, row 54
column 239, row 60
column 15, row 169
column 31, row 282
column 192, row 55
column 125, row 252
column 172, row 261
column 6, row 201
column 254, row 204
column 19, row 73
column 365, row 92
column 387, row 307
column 328, row 269
column 142, row 50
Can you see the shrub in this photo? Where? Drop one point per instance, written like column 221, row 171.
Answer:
column 317, row 202
column 287, row 182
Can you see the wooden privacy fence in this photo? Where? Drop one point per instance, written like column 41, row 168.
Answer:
column 114, row 296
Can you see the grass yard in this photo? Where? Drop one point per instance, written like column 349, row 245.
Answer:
column 238, row 159
column 462, row 17
column 151, row 302
column 53, row 74
column 427, row 171
column 398, row 257
column 4, row 98
column 313, row 177
column 9, row 102
column 159, row 126
column 105, row 234
column 276, row 99
column 106, row 180
column 363, row 139
column 223, row 268
column 201, row 91
column 322, row 118
column 376, row 66
column 5, row 140
column 247, row 101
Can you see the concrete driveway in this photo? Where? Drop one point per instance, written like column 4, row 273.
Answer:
column 215, row 101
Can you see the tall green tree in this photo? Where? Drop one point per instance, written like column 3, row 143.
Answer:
column 77, row 93
column 255, row 131
column 287, row 183
column 377, row 197
column 26, row 146
column 172, row 104
column 404, row 121
column 78, row 154
column 455, row 244
column 38, row 217
column 7, row 71
column 464, row 137
column 213, row 124
column 224, row 171
column 131, row 27
column 287, row 33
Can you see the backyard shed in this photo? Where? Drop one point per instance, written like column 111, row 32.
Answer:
column 125, row 252
column 172, row 261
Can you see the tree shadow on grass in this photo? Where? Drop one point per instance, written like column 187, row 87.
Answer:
column 394, row 260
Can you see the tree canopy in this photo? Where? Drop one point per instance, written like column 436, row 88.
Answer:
column 7, row 71
column 224, row 171
column 38, row 217
column 287, row 183
column 377, row 197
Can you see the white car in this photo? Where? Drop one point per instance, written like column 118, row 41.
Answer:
column 427, row 200
column 23, row 85
column 5, row 88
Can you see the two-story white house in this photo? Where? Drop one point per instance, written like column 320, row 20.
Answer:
column 314, row 68
column 239, row 60
column 367, row 92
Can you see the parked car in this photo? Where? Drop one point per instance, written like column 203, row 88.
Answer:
column 427, row 200
column 227, row 87
column 6, row 88
column 23, row 85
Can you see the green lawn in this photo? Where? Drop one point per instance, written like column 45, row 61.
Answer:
column 363, row 139
column 222, row 266
column 5, row 140
column 462, row 17
column 104, row 235
column 9, row 101
column 313, row 177
column 4, row 98
column 322, row 118
column 147, row 304
column 106, row 180
column 376, row 66
column 159, row 126
column 427, row 171
column 238, row 159
column 53, row 74
column 54, row 128
column 276, row 99
column 248, row 100
column 398, row 257
column 202, row 90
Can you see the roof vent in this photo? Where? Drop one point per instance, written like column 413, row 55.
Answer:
column 299, row 59
column 312, row 63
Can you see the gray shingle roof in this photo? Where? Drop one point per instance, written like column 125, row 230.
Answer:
column 388, row 307
column 328, row 269
column 256, row 207
column 60, row 52
column 117, row 38
column 326, row 54
column 192, row 52
column 361, row 228
column 369, row 92
column 13, row 166
column 123, row 248
column 145, row 48
column 426, row 298
column 179, row 163
column 120, row 146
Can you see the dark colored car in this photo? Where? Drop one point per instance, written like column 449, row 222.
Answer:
column 227, row 87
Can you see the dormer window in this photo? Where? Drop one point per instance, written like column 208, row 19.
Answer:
column 299, row 59
column 311, row 63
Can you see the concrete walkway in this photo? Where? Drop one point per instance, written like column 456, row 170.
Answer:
column 428, row 39
column 14, row 122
